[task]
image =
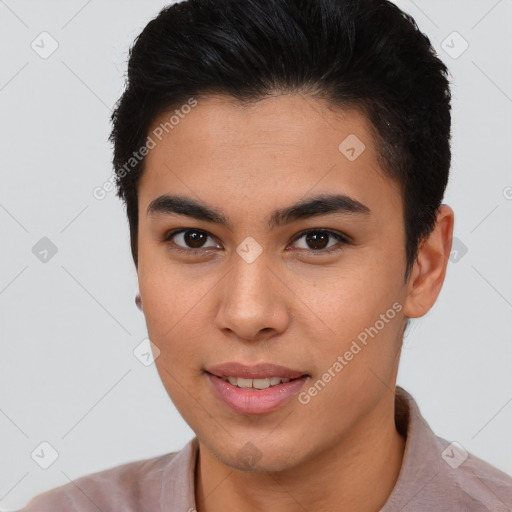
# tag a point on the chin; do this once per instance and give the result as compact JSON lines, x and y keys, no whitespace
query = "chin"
{"x":251,"y":455}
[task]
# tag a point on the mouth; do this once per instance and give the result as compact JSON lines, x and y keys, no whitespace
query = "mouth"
{"x":264,"y":383}
{"x":255,"y":389}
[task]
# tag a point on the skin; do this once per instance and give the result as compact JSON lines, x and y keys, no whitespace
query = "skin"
{"x":340,"y":451}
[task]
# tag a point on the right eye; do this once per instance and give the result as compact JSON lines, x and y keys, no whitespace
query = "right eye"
{"x":188,"y":240}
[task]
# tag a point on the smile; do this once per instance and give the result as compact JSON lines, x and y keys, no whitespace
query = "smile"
{"x":265,"y":383}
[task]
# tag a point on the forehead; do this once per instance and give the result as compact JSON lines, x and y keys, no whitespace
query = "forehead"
{"x":222,"y":122}
{"x":282,"y":144}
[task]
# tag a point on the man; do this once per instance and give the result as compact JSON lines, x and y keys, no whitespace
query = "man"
{"x":283,"y":165}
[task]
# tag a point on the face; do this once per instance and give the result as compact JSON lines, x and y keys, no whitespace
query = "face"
{"x":283,"y":244}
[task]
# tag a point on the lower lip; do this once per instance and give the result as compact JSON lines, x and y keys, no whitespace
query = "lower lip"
{"x":255,"y":401}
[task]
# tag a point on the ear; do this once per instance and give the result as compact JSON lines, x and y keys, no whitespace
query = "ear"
{"x":429,"y":270}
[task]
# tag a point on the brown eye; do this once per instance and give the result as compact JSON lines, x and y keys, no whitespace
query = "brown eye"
{"x":194,"y":239}
{"x":317,"y":240}
{"x":188,"y":240}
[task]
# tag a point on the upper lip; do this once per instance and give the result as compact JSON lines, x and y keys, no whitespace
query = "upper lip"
{"x":257,"y":371}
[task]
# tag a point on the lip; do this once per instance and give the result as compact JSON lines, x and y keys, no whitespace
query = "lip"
{"x":255,"y":401}
{"x":257,"y":371}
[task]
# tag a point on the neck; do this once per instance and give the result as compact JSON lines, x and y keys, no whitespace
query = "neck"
{"x":357,"y":473}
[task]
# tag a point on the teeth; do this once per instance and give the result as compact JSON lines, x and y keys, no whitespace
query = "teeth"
{"x":255,"y":383}
{"x":244,"y":383}
{"x":261,"y":383}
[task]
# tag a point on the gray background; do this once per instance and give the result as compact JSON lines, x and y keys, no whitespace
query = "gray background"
{"x":68,"y":375}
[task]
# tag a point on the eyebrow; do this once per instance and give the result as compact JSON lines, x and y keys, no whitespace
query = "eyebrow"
{"x":323,"y":204}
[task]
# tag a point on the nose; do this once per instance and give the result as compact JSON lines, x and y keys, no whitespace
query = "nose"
{"x":252,"y":301}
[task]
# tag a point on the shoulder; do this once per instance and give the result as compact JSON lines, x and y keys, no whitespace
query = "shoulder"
{"x":437,"y":474}
{"x":474,"y":480}
{"x":130,"y":486}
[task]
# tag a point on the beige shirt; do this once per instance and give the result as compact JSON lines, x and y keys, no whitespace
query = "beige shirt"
{"x":435,"y":476}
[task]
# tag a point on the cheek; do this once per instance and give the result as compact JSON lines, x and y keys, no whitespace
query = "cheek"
{"x":364,"y":313}
{"x":357,"y":362}
{"x":172,"y":302}
{"x":357,"y":297}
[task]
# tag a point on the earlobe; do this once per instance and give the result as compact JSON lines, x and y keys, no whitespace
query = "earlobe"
{"x":429,"y":270}
{"x":138,"y":301}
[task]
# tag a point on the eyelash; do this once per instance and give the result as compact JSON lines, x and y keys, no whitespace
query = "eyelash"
{"x":343,"y":240}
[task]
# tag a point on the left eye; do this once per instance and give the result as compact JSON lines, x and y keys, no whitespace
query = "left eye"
{"x":317,"y":240}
